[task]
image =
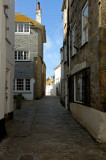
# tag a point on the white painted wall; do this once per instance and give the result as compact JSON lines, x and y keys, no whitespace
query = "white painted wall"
{"x":2,"y":59}
{"x":92,"y":119}
{"x":58,"y":77}
{"x":51,"y":90}
{"x":6,"y":56}
{"x":57,"y":74}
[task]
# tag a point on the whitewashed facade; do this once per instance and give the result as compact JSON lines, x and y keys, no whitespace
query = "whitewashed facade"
{"x":7,"y":25}
{"x":57,"y":78}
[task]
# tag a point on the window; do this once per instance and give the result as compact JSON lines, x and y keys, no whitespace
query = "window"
{"x":27,"y":85}
{"x":6,"y":11}
{"x":22,"y":56}
{"x":79,"y":87}
{"x":85,"y":24}
{"x":73,"y":40}
{"x":22,"y":28}
{"x":22,"y":84}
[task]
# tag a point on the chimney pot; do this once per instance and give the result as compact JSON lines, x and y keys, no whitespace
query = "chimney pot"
{"x":38,"y":5}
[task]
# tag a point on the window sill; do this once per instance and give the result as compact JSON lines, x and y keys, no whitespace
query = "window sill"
{"x":83,"y":45}
{"x":24,"y":92}
{"x":22,"y":33}
{"x":22,"y":60}
{"x":78,"y":102}
{"x":81,"y":103}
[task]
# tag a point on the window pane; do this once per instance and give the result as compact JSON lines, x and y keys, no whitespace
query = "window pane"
{"x":15,"y":27}
{"x":27,"y":84}
{"x":20,"y":55}
{"x":15,"y":55}
{"x":26,"y":55}
{"x":20,"y":84}
{"x":79,"y":87}
{"x":85,"y":15}
{"x":26,"y":27}
{"x":20,"y":27}
{"x":85,"y":24}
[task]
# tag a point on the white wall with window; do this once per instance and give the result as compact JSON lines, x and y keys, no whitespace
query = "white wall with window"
{"x":24,"y":86}
{"x":22,"y":55}
{"x":22,"y":28}
{"x":85,"y":24}
{"x":73,"y":40}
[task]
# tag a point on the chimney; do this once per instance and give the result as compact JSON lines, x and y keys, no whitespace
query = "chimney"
{"x":38,"y":13}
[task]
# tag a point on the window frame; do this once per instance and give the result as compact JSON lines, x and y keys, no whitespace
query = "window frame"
{"x":84,"y":27}
{"x":85,"y":87}
{"x":23,"y":56}
{"x":75,"y":88}
{"x":17,"y":25}
{"x":24,"y":85}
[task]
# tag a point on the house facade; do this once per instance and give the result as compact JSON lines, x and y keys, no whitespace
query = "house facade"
{"x":7,"y":34}
{"x":86,"y":41}
{"x":50,"y":86}
{"x":65,"y":53}
{"x":30,"y":69}
{"x":57,"y":79}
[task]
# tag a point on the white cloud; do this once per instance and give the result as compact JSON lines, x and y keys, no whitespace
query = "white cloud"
{"x":49,"y":44}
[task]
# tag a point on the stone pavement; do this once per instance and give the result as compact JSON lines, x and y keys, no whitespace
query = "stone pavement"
{"x":44,"y":130}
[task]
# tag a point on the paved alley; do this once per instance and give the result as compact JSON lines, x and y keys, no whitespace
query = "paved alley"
{"x":44,"y":130}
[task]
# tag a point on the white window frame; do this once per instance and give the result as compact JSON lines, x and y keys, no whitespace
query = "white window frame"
{"x":24,"y":85}
{"x":75,"y":92}
{"x":84,"y":26}
{"x":73,"y":40}
{"x":23,"y":56}
{"x":23,"y":27}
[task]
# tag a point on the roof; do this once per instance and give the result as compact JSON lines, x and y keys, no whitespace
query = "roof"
{"x":57,"y":67}
{"x":24,"y":69}
{"x":50,"y":81}
{"x":19,"y":17}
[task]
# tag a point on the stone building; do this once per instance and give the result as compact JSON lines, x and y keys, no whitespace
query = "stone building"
{"x":86,"y":40}
{"x":7,"y":32}
{"x":64,"y":51}
{"x":30,"y":69}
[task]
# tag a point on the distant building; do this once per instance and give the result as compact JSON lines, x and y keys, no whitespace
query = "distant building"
{"x":57,"y":79}
{"x":83,"y":84}
{"x":30,"y":69}
{"x":7,"y":33}
{"x":50,"y":86}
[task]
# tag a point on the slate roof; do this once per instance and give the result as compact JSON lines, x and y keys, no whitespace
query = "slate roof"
{"x":24,"y":69}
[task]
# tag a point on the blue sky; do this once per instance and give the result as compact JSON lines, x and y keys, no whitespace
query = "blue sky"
{"x":52,"y":19}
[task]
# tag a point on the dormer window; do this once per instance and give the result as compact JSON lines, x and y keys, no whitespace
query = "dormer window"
{"x":22,"y":28}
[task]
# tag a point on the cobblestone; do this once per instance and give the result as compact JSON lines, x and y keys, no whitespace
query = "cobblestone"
{"x":44,"y":130}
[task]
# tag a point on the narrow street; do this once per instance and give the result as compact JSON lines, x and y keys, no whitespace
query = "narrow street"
{"x":44,"y":130}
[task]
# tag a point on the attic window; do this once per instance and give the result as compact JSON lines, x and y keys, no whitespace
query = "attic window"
{"x":22,"y":28}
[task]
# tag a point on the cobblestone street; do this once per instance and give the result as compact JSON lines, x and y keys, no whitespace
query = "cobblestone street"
{"x":44,"y":130}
